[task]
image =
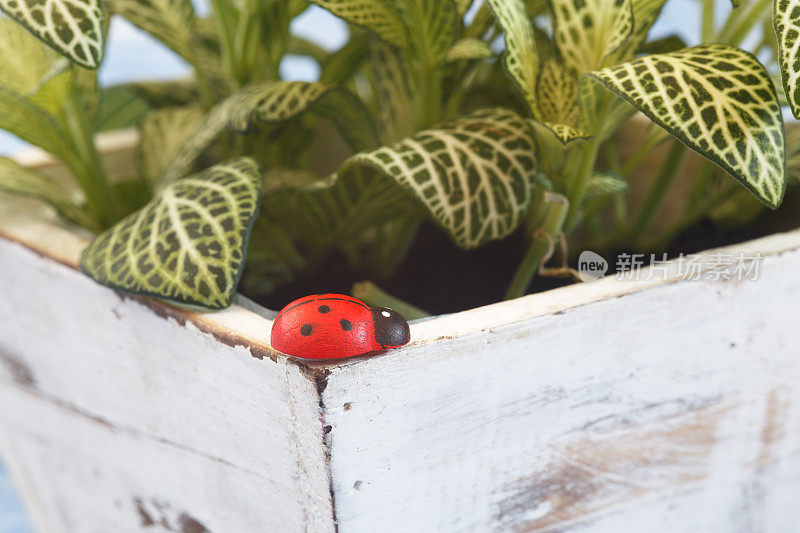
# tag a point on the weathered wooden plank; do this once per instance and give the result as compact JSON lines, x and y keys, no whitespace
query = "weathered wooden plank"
{"x":651,"y":406}
{"x":668,"y":409}
{"x":93,"y":476}
{"x":70,"y":342}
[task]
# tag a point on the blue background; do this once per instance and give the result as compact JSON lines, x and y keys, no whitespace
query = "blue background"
{"x":133,"y":55}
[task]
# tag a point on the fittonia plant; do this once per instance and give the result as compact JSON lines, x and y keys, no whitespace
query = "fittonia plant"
{"x":436,"y":123}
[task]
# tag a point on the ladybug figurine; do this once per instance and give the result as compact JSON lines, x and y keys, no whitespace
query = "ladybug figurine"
{"x":333,"y":326}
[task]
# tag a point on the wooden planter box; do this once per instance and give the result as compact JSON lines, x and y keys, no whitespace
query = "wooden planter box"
{"x":654,"y":405}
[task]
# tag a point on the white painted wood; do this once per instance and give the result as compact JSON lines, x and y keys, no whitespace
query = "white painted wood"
{"x":674,"y":408}
{"x":659,"y":405}
{"x":73,"y":350}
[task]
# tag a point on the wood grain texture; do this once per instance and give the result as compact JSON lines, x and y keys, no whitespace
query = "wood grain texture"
{"x":94,"y":381}
{"x":658,"y":405}
{"x":673,"y":408}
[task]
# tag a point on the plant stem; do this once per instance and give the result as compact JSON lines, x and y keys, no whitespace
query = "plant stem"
{"x":541,"y":245}
{"x":430,"y":83}
{"x":88,"y":170}
{"x":223,"y":17}
{"x":739,"y":27}
{"x":708,"y":25}
{"x":581,"y":183}
{"x":371,"y":294}
{"x":657,"y":193}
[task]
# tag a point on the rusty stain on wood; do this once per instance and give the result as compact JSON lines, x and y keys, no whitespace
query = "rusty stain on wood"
{"x":774,"y":425}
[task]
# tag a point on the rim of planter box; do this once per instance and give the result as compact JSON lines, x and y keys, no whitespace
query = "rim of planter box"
{"x":30,"y":224}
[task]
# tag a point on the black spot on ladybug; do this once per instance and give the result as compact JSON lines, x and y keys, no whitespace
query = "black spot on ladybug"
{"x":305,"y":331}
{"x":346,"y":324}
{"x":324,"y":309}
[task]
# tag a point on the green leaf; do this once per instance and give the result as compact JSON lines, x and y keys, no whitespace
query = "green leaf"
{"x":340,"y":66}
{"x":272,"y":258}
{"x":603,"y":184}
{"x":719,"y":101}
{"x":334,"y":212}
{"x":188,"y":244}
{"x":586,"y":32}
{"x":273,"y":102}
{"x":671,"y":43}
{"x":379,"y":16}
{"x":21,"y":117}
{"x":474,"y":176}
{"x":645,"y":13}
{"x":16,"y":179}
{"x":120,"y":107}
{"x":787,"y":31}
{"x":557,"y":94}
{"x":602,"y":113}
{"x":167,"y":93}
{"x":394,"y":96}
{"x":432,"y":27}
{"x":170,"y":21}
{"x":25,"y":64}
{"x":463,"y":6}
{"x":163,"y":131}
{"x":75,"y":28}
{"x":469,"y":48}
{"x":53,"y":92}
{"x":793,"y":154}
{"x":520,"y":58}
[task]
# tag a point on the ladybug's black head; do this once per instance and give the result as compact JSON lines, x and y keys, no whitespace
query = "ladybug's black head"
{"x":391,"y":329}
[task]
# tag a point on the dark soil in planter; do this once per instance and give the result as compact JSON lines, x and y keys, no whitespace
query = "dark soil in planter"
{"x":441,"y":278}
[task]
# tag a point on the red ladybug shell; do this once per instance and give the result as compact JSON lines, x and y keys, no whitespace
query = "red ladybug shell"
{"x":333,"y":326}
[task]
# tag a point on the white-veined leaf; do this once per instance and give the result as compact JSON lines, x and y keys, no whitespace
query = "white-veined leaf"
{"x":520,"y":57}
{"x":557,"y":94}
{"x":16,"y":179}
{"x":188,"y":244}
{"x":274,"y":102}
{"x":787,"y":31}
{"x":469,"y":48}
{"x":379,"y":16}
{"x":586,"y":32}
{"x":563,"y":133}
{"x":76,"y":28}
{"x":432,"y":27}
{"x":474,"y":175}
{"x":720,"y":102}
{"x":171,"y":22}
{"x":163,"y":131}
